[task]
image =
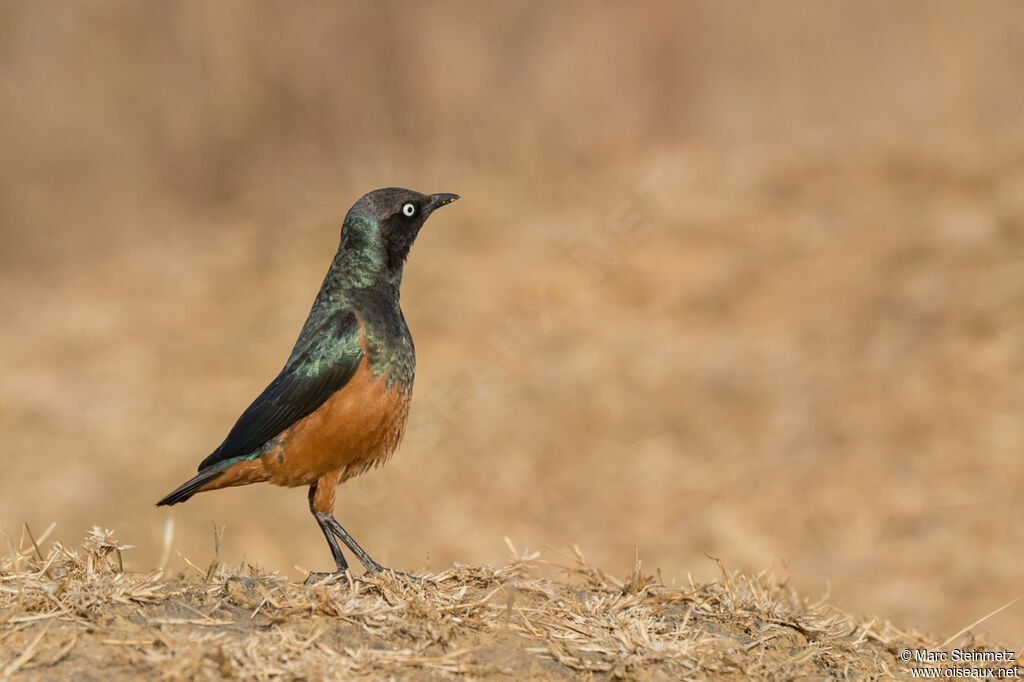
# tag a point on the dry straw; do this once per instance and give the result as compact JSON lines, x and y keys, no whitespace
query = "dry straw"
{"x":78,"y":612}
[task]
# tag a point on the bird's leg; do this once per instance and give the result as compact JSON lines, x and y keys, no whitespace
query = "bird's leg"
{"x":369,"y":564}
{"x":339,"y":558}
{"x":321,"y":504}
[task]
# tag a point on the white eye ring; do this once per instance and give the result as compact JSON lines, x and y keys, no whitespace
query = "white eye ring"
{"x":409,"y":210}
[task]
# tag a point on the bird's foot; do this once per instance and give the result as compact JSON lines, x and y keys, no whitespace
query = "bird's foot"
{"x":380,"y":570}
{"x":331,"y":578}
{"x":318,"y":577}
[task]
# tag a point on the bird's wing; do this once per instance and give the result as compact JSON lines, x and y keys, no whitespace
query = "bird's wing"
{"x":312,"y":375}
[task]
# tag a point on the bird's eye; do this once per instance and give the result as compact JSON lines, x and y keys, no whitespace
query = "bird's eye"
{"x":409,"y":210}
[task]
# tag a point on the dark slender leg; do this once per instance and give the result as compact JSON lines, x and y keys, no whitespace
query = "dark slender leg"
{"x":329,"y":521}
{"x":339,"y":558}
{"x":333,"y":531}
{"x":369,"y":564}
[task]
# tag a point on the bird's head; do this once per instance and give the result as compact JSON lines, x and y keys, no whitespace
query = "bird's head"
{"x":380,"y":228}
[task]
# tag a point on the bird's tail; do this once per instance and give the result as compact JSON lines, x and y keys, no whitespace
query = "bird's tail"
{"x":192,"y":486}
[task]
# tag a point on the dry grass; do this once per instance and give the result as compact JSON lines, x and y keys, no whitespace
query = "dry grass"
{"x":77,"y":614}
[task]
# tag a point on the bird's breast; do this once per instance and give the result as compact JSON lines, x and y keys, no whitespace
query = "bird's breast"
{"x":356,"y":428}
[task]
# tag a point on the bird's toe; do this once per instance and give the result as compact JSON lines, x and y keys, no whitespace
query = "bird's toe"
{"x":380,"y":570}
{"x":328,"y":578}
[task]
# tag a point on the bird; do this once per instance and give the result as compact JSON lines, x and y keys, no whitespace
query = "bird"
{"x":340,"y":404}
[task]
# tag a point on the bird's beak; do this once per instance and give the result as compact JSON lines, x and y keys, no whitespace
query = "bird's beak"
{"x":439,"y":200}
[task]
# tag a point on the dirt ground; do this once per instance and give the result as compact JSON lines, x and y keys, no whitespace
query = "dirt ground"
{"x":74,"y":614}
{"x":747,"y":286}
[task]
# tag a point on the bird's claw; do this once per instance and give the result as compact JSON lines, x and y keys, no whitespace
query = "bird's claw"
{"x":380,"y":570}
{"x":329,"y":578}
{"x":317,"y":577}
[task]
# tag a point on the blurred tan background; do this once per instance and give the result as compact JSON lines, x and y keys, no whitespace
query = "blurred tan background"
{"x":744,"y":282}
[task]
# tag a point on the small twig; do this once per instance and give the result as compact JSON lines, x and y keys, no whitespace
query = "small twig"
{"x":190,"y":621}
{"x":28,"y":531}
{"x":533,"y":631}
{"x":867,"y":629}
{"x":27,"y":654}
{"x":165,"y":555}
{"x":64,"y":651}
{"x":511,"y":547}
{"x":15,"y":561}
{"x":192,"y":564}
{"x":218,"y":533}
{"x":980,"y":621}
